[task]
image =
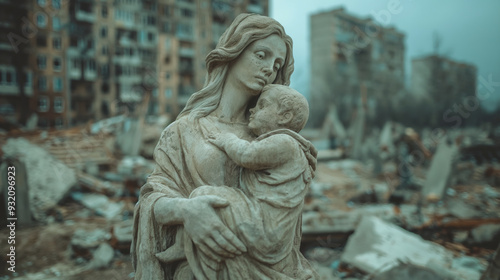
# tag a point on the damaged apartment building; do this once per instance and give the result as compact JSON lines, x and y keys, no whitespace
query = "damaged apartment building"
{"x":354,"y":62}
{"x":86,"y":60}
{"x":448,"y":86}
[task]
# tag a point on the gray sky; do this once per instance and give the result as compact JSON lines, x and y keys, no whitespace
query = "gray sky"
{"x":470,"y":32}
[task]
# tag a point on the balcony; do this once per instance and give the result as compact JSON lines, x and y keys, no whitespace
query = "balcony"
{"x":186,"y":52}
{"x":127,"y":60}
{"x":84,"y":16}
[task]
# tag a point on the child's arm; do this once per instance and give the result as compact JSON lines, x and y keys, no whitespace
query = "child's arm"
{"x":266,"y":153}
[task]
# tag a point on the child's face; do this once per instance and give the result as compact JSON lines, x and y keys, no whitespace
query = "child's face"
{"x":264,"y":116}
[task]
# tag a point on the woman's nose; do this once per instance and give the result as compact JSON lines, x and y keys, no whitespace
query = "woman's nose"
{"x":267,"y":70}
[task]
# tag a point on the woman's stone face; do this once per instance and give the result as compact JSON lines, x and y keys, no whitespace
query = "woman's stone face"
{"x":258,"y":64}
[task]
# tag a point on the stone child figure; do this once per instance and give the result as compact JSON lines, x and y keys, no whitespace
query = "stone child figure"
{"x":277,"y":169}
{"x":253,"y":52}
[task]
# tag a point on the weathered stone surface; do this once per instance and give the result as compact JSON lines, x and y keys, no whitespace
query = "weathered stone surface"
{"x":250,"y":164}
{"x":102,"y":256}
{"x":378,"y":246}
{"x":438,"y":176}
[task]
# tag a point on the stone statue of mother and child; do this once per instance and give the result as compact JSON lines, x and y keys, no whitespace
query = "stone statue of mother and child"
{"x":226,"y":196}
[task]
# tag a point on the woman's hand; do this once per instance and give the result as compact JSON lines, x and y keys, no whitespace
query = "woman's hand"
{"x":206,"y":229}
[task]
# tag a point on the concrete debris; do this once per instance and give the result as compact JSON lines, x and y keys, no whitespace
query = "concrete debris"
{"x":100,"y":204}
{"x":377,"y":246}
{"x":83,"y":239}
{"x":461,"y":209}
{"x":97,"y":185}
{"x":133,"y":166}
{"x":102,"y":256}
{"x":486,"y":235}
{"x":48,"y":179}
{"x":440,"y":171}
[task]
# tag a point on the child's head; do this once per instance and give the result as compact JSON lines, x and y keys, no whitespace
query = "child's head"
{"x":278,"y":107}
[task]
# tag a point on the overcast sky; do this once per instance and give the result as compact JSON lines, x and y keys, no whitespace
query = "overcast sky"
{"x":470,"y":31}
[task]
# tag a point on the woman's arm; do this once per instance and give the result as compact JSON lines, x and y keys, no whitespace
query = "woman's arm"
{"x":201,"y":223}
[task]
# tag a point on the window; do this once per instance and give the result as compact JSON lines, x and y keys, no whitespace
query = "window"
{"x":166,"y":27}
{"x":56,"y":43}
{"x":104,"y":50}
{"x":29,"y":77}
{"x":91,"y":65}
{"x":56,"y":23}
{"x":104,"y":70}
{"x":187,"y":13}
{"x":9,"y":77}
{"x":56,"y":4}
{"x":41,"y":20}
{"x":59,"y":123}
{"x":151,"y":37}
{"x":41,"y":41}
{"x":75,"y":64}
{"x":41,"y":61}
{"x":58,"y":104}
{"x":105,"y":88}
{"x":42,"y":83}
{"x":168,"y":93}
{"x":167,"y":75}
{"x":57,"y":64}
{"x":43,"y":104}
{"x":104,"y":32}
{"x":149,"y":20}
{"x":104,"y":11}
{"x":58,"y":84}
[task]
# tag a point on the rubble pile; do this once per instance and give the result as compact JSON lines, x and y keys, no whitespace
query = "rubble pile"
{"x":406,"y":207}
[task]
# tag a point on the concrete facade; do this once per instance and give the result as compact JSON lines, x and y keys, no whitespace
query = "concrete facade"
{"x":90,"y":59}
{"x":444,"y":84}
{"x":349,"y":56}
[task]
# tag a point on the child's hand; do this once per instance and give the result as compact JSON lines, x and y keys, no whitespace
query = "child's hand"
{"x":220,"y":139}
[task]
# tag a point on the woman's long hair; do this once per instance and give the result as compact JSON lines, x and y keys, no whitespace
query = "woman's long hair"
{"x":245,"y":29}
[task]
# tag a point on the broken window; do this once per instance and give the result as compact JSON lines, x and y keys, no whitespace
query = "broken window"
{"x":57,"y":64}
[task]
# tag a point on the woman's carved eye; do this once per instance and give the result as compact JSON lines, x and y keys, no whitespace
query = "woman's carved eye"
{"x":260,"y":55}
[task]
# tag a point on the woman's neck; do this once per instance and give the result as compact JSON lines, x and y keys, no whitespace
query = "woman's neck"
{"x":232,"y":105}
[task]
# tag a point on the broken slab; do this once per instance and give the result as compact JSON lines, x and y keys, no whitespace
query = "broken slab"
{"x":102,"y":256}
{"x":101,"y":204}
{"x":48,"y":179}
{"x":440,"y":171}
{"x":377,"y":246}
